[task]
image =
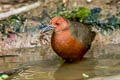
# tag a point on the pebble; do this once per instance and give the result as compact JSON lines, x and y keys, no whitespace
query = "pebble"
{"x":89,"y":1}
{"x":7,"y":6}
{"x":0,"y":9}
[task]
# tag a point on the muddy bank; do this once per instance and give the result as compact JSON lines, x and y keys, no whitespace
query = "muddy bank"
{"x":33,"y":38}
{"x":106,"y":45}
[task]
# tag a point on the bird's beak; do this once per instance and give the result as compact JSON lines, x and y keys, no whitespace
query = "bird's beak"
{"x":47,"y":28}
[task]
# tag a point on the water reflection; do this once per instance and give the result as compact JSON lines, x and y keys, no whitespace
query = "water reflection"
{"x":75,"y":71}
{"x":55,"y":70}
{"x":41,"y":70}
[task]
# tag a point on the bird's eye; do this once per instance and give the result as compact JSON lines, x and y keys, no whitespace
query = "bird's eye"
{"x":57,"y":23}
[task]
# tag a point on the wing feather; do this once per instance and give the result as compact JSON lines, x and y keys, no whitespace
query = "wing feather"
{"x":82,"y":32}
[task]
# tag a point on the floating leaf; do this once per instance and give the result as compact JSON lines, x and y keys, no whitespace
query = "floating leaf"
{"x":4,"y":76}
{"x":85,"y":75}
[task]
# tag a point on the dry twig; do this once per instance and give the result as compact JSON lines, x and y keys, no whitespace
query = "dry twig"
{"x":19,"y":10}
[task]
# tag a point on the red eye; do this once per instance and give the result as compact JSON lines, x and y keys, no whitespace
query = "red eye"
{"x":57,"y":23}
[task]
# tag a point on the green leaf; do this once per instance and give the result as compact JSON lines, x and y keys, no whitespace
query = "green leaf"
{"x":85,"y":75}
{"x":4,"y":76}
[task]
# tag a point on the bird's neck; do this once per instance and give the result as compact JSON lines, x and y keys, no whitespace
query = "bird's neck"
{"x":61,"y":31}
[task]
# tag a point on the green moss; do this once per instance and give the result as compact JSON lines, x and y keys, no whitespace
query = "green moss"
{"x":14,"y":23}
{"x":80,"y":14}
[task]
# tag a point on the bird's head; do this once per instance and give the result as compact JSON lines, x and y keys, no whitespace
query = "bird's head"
{"x":59,"y":24}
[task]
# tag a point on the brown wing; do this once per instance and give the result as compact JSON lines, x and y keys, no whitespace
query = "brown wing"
{"x":82,"y":33}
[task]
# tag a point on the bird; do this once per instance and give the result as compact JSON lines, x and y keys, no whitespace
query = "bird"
{"x":70,"y":39}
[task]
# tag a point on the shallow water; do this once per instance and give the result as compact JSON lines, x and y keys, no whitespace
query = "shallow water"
{"x":104,"y":66}
{"x":51,"y":70}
